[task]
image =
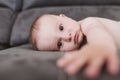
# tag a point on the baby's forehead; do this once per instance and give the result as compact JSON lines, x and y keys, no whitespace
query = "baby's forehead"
{"x":45,"y":34}
{"x":46,"y":17}
{"x":45,"y":39}
{"x":40,"y":20}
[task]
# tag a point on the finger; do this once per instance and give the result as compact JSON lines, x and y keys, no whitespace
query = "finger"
{"x":66,"y":59}
{"x":94,"y":67}
{"x":76,"y":65}
{"x":113,"y":64}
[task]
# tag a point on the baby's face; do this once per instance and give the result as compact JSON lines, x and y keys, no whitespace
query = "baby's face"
{"x":58,"y":33}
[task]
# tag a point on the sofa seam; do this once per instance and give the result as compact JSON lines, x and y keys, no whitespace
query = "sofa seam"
{"x":18,"y":5}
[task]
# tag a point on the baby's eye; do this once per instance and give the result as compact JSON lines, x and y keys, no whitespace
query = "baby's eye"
{"x":61,"y":28}
{"x":59,"y":44}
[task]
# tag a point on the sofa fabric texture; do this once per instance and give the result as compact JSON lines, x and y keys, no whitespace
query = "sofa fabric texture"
{"x":6,"y":16}
{"x":24,"y":63}
{"x":45,"y":3}
{"x":18,"y":61}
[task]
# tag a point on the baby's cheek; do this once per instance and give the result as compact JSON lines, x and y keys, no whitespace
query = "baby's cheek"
{"x":69,"y":47}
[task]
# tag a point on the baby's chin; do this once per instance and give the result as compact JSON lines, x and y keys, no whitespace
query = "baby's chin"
{"x":82,"y":42}
{"x":71,"y":49}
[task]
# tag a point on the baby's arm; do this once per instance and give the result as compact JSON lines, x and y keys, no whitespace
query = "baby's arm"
{"x":97,"y":34}
{"x":100,"y":49}
{"x":99,"y":38}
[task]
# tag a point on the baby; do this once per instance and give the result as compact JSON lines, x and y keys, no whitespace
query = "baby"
{"x":61,"y":33}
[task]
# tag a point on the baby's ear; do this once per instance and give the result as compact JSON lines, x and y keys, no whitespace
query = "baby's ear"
{"x":62,"y":15}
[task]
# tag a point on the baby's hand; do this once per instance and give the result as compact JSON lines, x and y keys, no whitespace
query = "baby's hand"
{"x":93,"y":57}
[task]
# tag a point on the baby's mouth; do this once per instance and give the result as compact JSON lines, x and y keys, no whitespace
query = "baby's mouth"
{"x":76,"y":38}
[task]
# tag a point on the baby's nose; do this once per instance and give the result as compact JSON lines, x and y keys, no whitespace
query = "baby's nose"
{"x":68,"y":38}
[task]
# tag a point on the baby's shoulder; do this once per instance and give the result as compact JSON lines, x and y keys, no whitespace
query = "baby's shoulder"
{"x":96,"y":19}
{"x":89,"y":23}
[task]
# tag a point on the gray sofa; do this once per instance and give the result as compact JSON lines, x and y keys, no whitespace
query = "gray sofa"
{"x":18,"y":61}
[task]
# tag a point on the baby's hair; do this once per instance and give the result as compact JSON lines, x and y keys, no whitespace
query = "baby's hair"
{"x":32,"y":31}
{"x":31,"y":40}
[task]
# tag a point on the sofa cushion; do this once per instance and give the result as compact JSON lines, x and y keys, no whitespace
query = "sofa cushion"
{"x":6,"y":17}
{"x":28,"y":4}
{"x":24,"y":63}
{"x":20,"y":31}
